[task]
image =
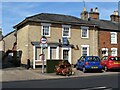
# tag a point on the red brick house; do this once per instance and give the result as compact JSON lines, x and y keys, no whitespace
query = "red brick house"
{"x":108,"y":33}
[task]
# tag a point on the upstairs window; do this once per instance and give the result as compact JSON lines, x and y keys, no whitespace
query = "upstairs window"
{"x":66,"y":30}
{"x":45,"y":29}
{"x":84,"y":32}
{"x":113,"y":38}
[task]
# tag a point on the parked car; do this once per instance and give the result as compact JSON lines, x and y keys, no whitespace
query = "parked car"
{"x":110,"y":62}
{"x":89,"y":63}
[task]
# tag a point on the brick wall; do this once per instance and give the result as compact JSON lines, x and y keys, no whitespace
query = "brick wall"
{"x":105,"y":41}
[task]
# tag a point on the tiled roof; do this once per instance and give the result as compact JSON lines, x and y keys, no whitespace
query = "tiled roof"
{"x":105,"y":24}
{"x":60,"y":18}
{"x":54,"y":18}
{"x":47,"y":17}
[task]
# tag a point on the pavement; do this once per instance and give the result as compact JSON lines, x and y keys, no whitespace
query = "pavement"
{"x":21,"y":73}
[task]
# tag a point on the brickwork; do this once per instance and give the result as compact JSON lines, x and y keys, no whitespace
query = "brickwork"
{"x":105,"y":41}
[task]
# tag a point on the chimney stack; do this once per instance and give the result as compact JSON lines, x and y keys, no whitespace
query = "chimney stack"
{"x":84,"y":14}
{"x":115,"y":16}
{"x":94,"y":14}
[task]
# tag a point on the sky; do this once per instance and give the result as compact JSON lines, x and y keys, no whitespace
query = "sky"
{"x":12,"y":13}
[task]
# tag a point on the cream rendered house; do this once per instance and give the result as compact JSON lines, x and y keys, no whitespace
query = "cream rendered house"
{"x":68,"y":37}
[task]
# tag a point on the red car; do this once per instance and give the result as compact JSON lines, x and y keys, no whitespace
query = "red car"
{"x":110,"y":62}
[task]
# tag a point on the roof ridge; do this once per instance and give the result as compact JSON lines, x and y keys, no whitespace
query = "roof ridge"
{"x":53,"y":14}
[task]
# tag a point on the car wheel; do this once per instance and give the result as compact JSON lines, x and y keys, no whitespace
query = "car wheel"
{"x":106,"y":69}
{"x":84,"y":69}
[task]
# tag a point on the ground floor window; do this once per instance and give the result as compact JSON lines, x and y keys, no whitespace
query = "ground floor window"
{"x":53,"y":52}
{"x":85,"y":50}
{"x":104,"y":51}
{"x":38,"y":51}
{"x":113,"y":51}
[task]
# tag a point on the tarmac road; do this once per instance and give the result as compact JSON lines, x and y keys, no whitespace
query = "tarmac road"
{"x":21,"y":78}
{"x":106,"y":81}
{"x":20,"y":73}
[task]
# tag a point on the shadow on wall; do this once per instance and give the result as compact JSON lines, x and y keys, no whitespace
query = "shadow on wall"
{"x":11,"y":59}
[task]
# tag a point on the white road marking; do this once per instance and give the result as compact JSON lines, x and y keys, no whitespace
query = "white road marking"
{"x":96,"y":88}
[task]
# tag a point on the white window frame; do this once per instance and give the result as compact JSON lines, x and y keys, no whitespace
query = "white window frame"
{"x":57,"y":52}
{"x":45,"y":24}
{"x":115,"y":52}
{"x":66,"y":26}
{"x":34,"y":56}
{"x":82,"y":31}
{"x":115,"y":42}
{"x":106,"y":51}
{"x":87,"y":46}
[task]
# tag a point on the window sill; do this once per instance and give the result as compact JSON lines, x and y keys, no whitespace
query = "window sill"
{"x":85,"y":37}
{"x":114,"y":43}
{"x":46,"y":36}
{"x":66,"y":37}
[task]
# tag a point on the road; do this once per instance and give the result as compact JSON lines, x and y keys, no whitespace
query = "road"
{"x":109,"y":81}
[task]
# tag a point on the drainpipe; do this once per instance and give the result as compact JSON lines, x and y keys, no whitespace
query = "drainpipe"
{"x":94,"y":40}
{"x":99,"y":49}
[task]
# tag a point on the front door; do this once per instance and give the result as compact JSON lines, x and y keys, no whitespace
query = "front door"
{"x":66,"y":54}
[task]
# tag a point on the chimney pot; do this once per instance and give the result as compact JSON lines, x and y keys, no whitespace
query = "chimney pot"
{"x":94,"y":14}
{"x":115,"y":13}
{"x":91,"y":10}
{"x":115,"y":17}
{"x":96,"y":9}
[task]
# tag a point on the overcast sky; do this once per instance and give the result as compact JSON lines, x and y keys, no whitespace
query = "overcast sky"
{"x":14,"y":12}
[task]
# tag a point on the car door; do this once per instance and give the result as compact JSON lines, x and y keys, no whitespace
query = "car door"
{"x":104,"y":60}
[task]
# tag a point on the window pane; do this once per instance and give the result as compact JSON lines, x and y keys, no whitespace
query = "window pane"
{"x":37,"y":53}
{"x":53,"y":52}
{"x":113,"y":52}
{"x":96,"y":59}
{"x":84,"y":51}
{"x":65,"y":31}
{"x":113,"y":38}
{"x":45,"y":30}
{"x":84,"y":32}
{"x":104,"y":52}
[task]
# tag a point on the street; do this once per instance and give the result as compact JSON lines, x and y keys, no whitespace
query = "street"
{"x":107,"y":81}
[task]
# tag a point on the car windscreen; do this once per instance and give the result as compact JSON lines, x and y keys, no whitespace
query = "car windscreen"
{"x":115,"y":58}
{"x":93,"y":59}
